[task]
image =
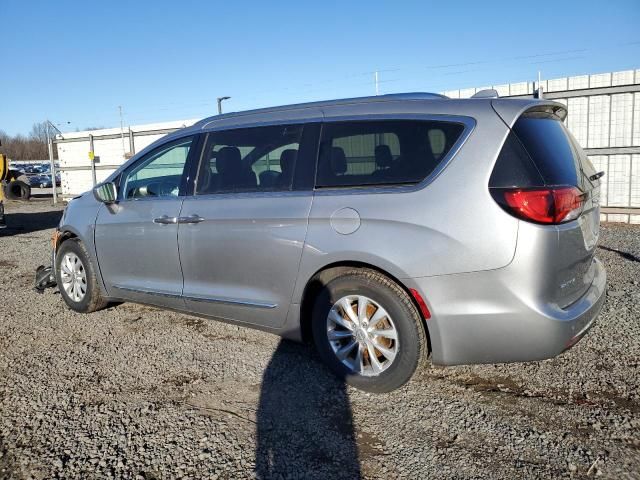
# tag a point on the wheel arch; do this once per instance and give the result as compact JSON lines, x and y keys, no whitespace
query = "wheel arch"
{"x":68,"y":232}
{"x":330,"y":271}
{"x":65,"y":235}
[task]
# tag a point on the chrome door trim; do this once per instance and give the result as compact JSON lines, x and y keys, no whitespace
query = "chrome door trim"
{"x":148,"y":292}
{"x":200,"y":298}
{"x":231,"y":301}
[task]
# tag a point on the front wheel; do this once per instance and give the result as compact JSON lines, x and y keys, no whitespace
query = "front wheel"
{"x":77,"y":279}
{"x":368,"y":331}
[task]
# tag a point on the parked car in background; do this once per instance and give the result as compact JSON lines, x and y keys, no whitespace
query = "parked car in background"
{"x":383,"y":229}
{"x":43,"y":180}
{"x":32,"y":169}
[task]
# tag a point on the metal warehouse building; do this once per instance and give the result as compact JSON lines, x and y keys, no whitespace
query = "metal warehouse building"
{"x":604,"y":116}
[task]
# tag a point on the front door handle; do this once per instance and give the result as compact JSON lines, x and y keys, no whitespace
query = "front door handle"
{"x":191,"y":219}
{"x":165,"y":220}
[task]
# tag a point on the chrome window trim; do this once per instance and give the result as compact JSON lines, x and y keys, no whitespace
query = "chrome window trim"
{"x":211,"y":127}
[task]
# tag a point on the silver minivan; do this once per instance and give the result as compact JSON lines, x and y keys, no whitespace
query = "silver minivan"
{"x":386,"y":230}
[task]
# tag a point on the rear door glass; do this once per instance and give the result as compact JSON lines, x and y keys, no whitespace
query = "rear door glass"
{"x":249,"y":159}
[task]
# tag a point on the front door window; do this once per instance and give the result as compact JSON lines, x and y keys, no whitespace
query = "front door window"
{"x":160,"y":173}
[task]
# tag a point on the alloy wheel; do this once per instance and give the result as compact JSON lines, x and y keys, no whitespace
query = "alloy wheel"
{"x":74,"y":277}
{"x":362,"y":335}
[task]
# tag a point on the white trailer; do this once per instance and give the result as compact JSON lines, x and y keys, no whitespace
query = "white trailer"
{"x":111,"y":147}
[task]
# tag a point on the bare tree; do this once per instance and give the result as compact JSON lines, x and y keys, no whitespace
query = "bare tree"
{"x":39,"y":132}
{"x":32,"y":147}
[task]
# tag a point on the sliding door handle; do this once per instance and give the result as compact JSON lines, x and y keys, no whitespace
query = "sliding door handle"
{"x":191,"y":219}
{"x":165,"y":220}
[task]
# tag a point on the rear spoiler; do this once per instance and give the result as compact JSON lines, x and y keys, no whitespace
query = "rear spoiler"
{"x":509,"y":110}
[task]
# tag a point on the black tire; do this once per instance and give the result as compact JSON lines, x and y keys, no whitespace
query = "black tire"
{"x":17,"y":190}
{"x":412,"y":347}
{"x":92,"y":299}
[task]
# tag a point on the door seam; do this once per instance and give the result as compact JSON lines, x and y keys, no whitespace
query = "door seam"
{"x":178,"y":248}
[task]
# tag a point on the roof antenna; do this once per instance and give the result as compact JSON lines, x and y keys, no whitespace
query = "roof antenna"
{"x":538,"y":93}
{"x":486,"y":93}
{"x":375,"y":78}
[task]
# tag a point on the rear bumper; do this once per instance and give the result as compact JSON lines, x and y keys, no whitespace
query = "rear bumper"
{"x":484,"y":317}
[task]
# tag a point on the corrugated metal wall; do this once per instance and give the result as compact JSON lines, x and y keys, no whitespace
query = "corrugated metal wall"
{"x":604,"y":116}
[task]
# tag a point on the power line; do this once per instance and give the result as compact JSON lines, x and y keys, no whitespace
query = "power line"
{"x":338,"y":82}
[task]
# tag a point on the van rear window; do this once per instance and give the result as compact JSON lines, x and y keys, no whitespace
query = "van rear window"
{"x":385,"y":152}
{"x":540,"y":151}
{"x":548,"y":145}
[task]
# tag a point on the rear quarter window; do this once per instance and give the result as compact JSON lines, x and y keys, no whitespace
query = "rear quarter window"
{"x":354,"y":154}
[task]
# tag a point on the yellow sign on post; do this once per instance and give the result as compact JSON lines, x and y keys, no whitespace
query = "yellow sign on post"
{"x":92,"y":155}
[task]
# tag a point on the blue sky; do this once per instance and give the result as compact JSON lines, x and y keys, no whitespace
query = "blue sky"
{"x":75,"y":61}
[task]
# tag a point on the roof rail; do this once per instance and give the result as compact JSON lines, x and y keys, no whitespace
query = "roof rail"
{"x":326,"y":103}
{"x":486,"y":93}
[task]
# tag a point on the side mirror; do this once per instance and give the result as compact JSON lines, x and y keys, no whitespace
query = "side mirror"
{"x":105,"y":192}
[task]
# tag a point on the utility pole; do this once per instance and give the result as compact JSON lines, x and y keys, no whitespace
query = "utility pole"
{"x":539,"y":91}
{"x":375,"y":79}
{"x":51,"y":162}
{"x":122,"y":131}
{"x":49,"y":125}
{"x":220,"y":100}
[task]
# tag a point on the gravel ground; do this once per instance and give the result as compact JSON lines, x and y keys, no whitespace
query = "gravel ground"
{"x":136,"y":392}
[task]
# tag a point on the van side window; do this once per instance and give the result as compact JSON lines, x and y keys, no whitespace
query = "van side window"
{"x":249,"y":160}
{"x":159,"y":173}
{"x":383,"y":152}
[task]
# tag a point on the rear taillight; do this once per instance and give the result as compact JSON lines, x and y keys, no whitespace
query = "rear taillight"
{"x":542,"y":205}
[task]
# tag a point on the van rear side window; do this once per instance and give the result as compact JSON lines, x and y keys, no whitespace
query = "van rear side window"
{"x":355,"y":154}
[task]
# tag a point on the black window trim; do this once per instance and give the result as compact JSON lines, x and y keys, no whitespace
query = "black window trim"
{"x":468,"y":124}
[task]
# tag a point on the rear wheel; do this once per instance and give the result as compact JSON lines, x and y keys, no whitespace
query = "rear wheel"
{"x":76,"y":278}
{"x":368,"y":331}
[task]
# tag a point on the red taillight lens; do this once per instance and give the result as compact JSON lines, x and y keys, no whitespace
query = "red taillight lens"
{"x":545,"y":205}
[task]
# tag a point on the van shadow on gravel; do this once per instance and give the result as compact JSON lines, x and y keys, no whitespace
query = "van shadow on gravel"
{"x":21,"y":223}
{"x":623,"y":254}
{"x":304,"y":420}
